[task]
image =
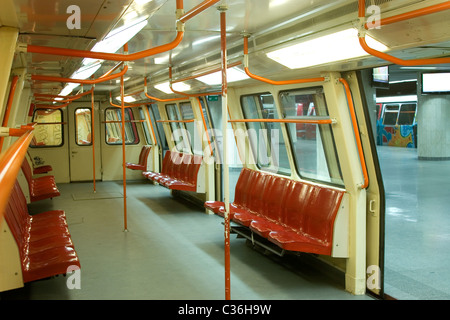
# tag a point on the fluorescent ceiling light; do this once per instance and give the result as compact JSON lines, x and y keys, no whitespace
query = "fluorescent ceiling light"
{"x":233,"y":74}
{"x":126,"y":99}
{"x":68,"y":89}
{"x":179,"y":86}
{"x":342,"y":45}
{"x":117,"y":38}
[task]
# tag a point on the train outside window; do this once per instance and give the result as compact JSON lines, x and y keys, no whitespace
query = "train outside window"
{"x":83,"y":126}
{"x":313,"y":145}
{"x":113,"y":127}
{"x":49,"y":129}
{"x":266,"y":138}
{"x":179,"y":136}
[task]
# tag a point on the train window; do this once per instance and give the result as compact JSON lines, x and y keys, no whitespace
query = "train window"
{"x":313,"y":145}
{"x":407,"y":114}
{"x":179,"y":136}
{"x":188,"y":114}
{"x":49,"y":131}
{"x":266,"y":138}
{"x":113,"y":127}
{"x":83,"y":126}
{"x":158,"y":126}
{"x":391,"y":114}
{"x":145,"y":127}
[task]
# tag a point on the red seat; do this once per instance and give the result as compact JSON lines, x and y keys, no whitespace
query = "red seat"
{"x":179,"y":171}
{"x":45,"y":245}
{"x":142,"y":162}
{"x":40,"y":188}
{"x":295,"y":215}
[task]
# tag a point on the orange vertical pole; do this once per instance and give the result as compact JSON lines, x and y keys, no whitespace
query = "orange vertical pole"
{"x":226,"y":182}
{"x":124,"y":174}
{"x":12,"y":91}
{"x":93,"y":136}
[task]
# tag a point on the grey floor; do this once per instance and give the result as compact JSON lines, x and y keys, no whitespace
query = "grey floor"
{"x":417,"y":225}
{"x":172,"y":251}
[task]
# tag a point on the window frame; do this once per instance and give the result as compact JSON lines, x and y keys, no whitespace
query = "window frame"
{"x":76,"y":126}
{"x":327,"y":140}
{"x":127,"y":111}
{"x":43,"y":124}
{"x":268,"y":128}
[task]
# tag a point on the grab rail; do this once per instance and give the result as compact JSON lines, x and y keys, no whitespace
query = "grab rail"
{"x":397,"y":18}
{"x":10,"y":164}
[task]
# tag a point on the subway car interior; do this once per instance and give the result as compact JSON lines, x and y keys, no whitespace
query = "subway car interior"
{"x":224,"y":149}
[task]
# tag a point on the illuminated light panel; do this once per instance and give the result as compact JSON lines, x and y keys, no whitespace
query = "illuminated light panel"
{"x":342,"y":45}
{"x":179,"y":86}
{"x":233,"y":74}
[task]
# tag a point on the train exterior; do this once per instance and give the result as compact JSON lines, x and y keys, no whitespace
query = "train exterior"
{"x":263,"y":113}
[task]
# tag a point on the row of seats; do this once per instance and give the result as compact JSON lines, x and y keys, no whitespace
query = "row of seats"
{"x":179,"y":171}
{"x":142,"y":163}
{"x":44,"y":242}
{"x":40,"y":188}
{"x":295,"y":215}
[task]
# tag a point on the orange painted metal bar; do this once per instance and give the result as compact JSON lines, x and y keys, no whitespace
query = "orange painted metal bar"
{"x":81,"y":81}
{"x":197,"y":10}
{"x":191,"y":95}
{"x":111,"y":56}
{"x":107,"y":56}
{"x":120,"y":121}
{"x":158,"y":99}
{"x":117,"y":66}
{"x":124,"y":173}
{"x":231,"y":65}
{"x":93,"y":138}
{"x":226,"y":176}
{"x":408,"y":15}
{"x":41,"y":123}
{"x":402,"y":17}
{"x":41,"y":97}
{"x":12,"y":92}
{"x":49,"y":106}
{"x":322,"y":121}
{"x":273,"y":82}
{"x":10,"y":164}
{"x":178,"y":121}
{"x":356,"y":131}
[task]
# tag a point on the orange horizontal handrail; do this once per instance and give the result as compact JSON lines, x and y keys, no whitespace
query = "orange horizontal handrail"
{"x":402,"y":17}
{"x":308,"y":121}
{"x":10,"y":164}
{"x":49,"y":106}
{"x":81,"y":81}
{"x":409,"y":15}
{"x":132,"y":56}
{"x":356,"y":132}
{"x":179,"y":121}
{"x":42,"y":97}
{"x":158,"y":99}
{"x":44,"y":123}
{"x":231,"y":65}
{"x":192,"y":95}
{"x":104,"y":55}
{"x":120,"y":121}
{"x":273,"y":82}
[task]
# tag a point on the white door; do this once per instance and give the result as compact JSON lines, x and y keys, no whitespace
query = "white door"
{"x":81,"y":149}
